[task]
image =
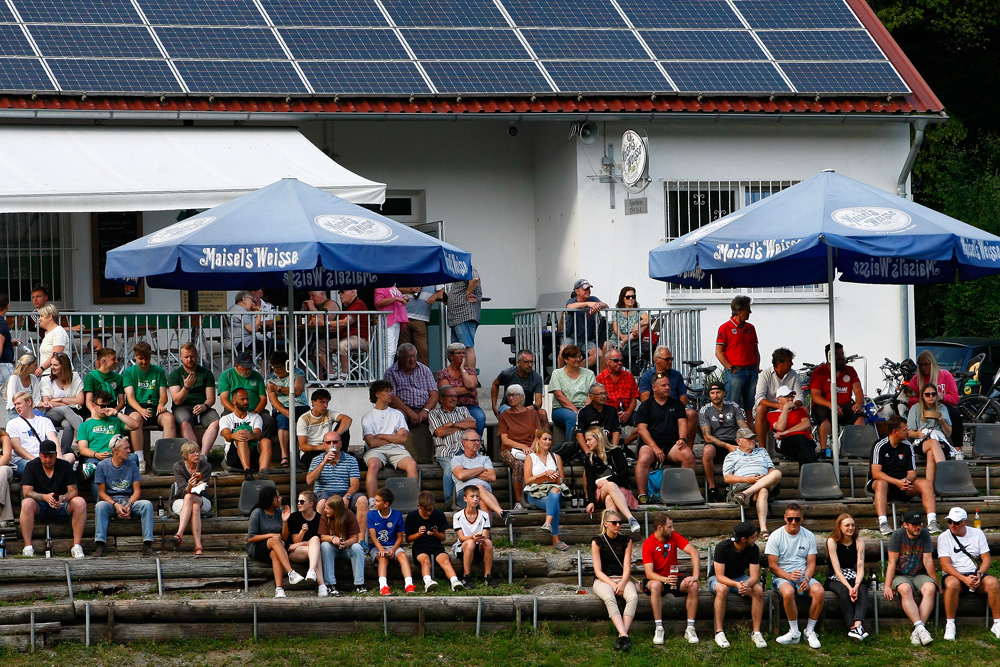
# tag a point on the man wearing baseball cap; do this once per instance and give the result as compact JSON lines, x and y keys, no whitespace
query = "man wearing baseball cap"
{"x":736,"y":569}
{"x":911,"y":568}
{"x":48,"y":490}
{"x":244,"y":375}
{"x":718,"y":421}
{"x":792,"y":428}
{"x":581,"y":324}
{"x":751,"y":475}
{"x":965,"y":560}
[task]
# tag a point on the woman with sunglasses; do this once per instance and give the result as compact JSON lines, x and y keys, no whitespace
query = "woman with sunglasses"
{"x":929,"y":371}
{"x":610,"y":551}
{"x":264,"y":543}
{"x":845,"y":561}
{"x":606,"y":476}
{"x":300,"y":532}
{"x":630,"y":325}
{"x":929,"y":426}
{"x":543,"y":483}
{"x":570,"y":387}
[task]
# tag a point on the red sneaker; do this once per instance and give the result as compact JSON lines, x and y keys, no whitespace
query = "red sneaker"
{"x":411,"y":589}
{"x":385,"y":590}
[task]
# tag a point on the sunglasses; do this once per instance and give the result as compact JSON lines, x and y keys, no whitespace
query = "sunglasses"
{"x":300,"y":501}
{"x":955,"y":523}
{"x":331,"y":442}
{"x":614,"y":361}
{"x":614,"y":523}
{"x":629,"y":296}
{"x":931,"y":395}
{"x":793,"y":519}
{"x":665,"y":358}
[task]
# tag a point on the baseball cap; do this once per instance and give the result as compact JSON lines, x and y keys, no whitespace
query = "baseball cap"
{"x":746,"y":434}
{"x":47,"y":447}
{"x":785,"y":391}
{"x":914,"y":518}
{"x":957,"y":514}
{"x":582,"y":282}
{"x":245,"y":360}
{"x":743,"y":530}
{"x":717,"y":385}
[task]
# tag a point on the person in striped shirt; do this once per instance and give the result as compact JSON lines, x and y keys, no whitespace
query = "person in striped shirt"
{"x":751,"y":475}
{"x":337,"y":473}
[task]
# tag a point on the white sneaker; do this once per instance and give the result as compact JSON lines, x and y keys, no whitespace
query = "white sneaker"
{"x":720,"y":639}
{"x":311,"y":575}
{"x":658,"y":636}
{"x":279,"y":592}
{"x":813,"y":640}
{"x":634,"y":525}
{"x":430,"y":586}
{"x":76,"y":551}
{"x":518,"y":508}
{"x":322,"y":591}
{"x":925,"y":635}
{"x":996,"y":629}
{"x":790,"y":637}
{"x":295,"y":578}
{"x":915,"y":637}
{"x":883,"y":527}
{"x":28,"y":551}
{"x":142,"y":466}
{"x":691,"y":635}
{"x":457,"y":585}
{"x":949,"y":632}
{"x":758,"y":640}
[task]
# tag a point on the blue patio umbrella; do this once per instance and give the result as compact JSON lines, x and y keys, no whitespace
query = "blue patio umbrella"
{"x":293,"y":235}
{"x":823,"y":226}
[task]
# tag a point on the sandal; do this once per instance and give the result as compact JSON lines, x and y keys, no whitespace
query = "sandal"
{"x":199,"y":551}
{"x":284,"y":463}
{"x":562,"y":546}
{"x":176,"y":540}
{"x":764,"y":535}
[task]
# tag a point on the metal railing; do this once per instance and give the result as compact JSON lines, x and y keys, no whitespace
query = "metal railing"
{"x":220,"y":337}
{"x":636,"y":332}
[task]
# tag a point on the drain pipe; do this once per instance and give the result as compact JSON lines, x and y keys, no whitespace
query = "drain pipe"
{"x":919,"y":128}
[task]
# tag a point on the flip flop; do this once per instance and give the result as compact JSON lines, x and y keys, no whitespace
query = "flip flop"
{"x":562,"y":546}
{"x":764,"y":535}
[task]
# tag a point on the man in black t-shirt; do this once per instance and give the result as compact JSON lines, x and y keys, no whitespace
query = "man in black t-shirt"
{"x":598,"y":413}
{"x":893,"y":476}
{"x":662,"y":427}
{"x":737,"y":570}
{"x":425,"y":529}
{"x":48,"y":490}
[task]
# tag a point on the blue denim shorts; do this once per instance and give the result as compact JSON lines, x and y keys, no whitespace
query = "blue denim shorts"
{"x":465,"y":333}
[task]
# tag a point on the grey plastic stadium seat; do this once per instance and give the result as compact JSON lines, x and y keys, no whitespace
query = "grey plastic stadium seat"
{"x":405,"y":491}
{"x":987,"y":442}
{"x":250,"y":492}
{"x":166,"y":452}
{"x":680,"y":487}
{"x":857,"y":441}
{"x":818,"y":481}
{"x":954,"y":479}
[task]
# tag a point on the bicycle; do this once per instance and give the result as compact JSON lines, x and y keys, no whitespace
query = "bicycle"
{"x":982,"y":408}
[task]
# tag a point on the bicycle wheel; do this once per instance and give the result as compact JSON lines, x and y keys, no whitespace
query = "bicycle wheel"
{"x":979,"y":410}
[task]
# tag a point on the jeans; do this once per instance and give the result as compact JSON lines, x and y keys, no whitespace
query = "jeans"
{"x":447,"y":481}
{"x":480,"y":417}
{"x":330,"y":553}
{"x":70,"y":420}
{"x":566,"y":418}
{"x":741,"y":387}
{"x":93,"y":483}
{"x":105,"y":510}
{"x":19,"y":466}
{"x":465,"y":333}
{"x":850,"y":611}
{"x":551,"y":506}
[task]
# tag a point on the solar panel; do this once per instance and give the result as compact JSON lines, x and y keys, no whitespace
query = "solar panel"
{"x":90,"y":41}
{"x":842,"y":77}
{"x":240,"y":43}
{"x":6,"y":15}
{"x":465,"y":44}
{"x":114,"y":76}
{"x":486,"y":77}
{"x":343,"y":44}
{"x":240,"y":77}
{"x":607,"y":77}
{"x":77,"y":11}
{"x":762,"y":14}
{"x":13,"y":42}
{"x":443,"y":13}
{"x":821,"y":45}
{"x":726,"y":77}
{"x":684,"y":14}
{"x":703,"y":45}
{"x":585,"y":44}
{"x":202,"y":12}
{"x":328,"y":13}
{"x":332,"y":78}
{"x":23,"y":74}
{"x":564,"y":13}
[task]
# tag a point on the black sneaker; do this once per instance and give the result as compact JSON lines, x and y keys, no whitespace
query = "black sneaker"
{"x":147,"y":549}
{"x":627,"y":644}
{"x":713,"y":495}
{"x":360,"y":589}
{"x":505,"y":516}
{"x":100,"y":550}
{"x":264,"y":474}
{"x":490,"y":581}
{"x":333,"y":590}
{"x":468,"y":581}
{"x":247,"y":474}
{"x":620,"y":643}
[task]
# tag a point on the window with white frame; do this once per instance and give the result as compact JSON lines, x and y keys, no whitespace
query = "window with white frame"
{"x":32,"y":254}
{"x":692,"y":204}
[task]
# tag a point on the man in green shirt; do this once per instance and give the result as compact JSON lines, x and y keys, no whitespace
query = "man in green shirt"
{"x":95,"y":435}
{"x":104,"y":378}
{"x":146,"y":398}
{"x":192,"y":389}
{"x":244,"y":376}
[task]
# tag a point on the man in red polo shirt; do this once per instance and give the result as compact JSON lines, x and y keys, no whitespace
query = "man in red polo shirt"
{"x":792,"y":428}
{"x":737,"y":351}
{"x":848,"y":387}
{"x":623,"y":392}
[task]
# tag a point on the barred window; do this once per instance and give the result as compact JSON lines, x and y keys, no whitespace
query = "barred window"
{"x":33,"y":253}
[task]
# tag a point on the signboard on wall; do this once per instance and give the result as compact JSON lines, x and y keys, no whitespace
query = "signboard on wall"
{"x":208,"y":300}
{"x":107,"y":232}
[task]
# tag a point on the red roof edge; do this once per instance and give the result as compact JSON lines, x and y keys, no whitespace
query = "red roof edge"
{"x":923,"y":96}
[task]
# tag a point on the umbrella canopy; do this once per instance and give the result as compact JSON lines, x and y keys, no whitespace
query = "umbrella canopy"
{"x":876,"y":237}
{"x":324,"y":241}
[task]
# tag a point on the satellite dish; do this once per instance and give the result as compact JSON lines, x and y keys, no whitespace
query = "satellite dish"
{"x":588,"y":133}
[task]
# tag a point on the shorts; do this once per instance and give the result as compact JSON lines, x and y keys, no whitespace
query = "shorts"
{"x":282,"y":421}
{"x":894,"y":494}
{"x":183,"y":414}
{"x":916,"y":581}
{"x":433,"y":553}
{"x":712,"y":581}
{"x":373,"y":554}
{"x":673,"y":590}
{"x":258,"y":551}
{"x":721,"y":452}
{"x":465,"y":333}
{"x":45,"y":511}
{"x":821,"y":413}
{"x":233,"y":456}
{"x":478,"y":555}
{"x":206,"y":506}
{"x":129,"y":410}
{"x":777,"y":581}
{"x":387,"y":454}
{"x":963,"y":588}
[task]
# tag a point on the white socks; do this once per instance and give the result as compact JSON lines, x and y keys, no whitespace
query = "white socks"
{"x":427,"y":579}
{"x":811,"y":625}
{"x":455,"y":580}
{"x":408,"y":581}
{"x":793,"y":626}
{"x":931,"y":517}
{"x":383,"y":582}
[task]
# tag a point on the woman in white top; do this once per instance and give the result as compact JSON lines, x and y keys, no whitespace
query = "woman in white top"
{"x":543,"y":479}
{"x":23,"y":379}
{"x":62,"y":395}
{"x":56,"y":338}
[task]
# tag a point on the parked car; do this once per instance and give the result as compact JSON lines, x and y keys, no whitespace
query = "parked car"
{"x":956,"y":353}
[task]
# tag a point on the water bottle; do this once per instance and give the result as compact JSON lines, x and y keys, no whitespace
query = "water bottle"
{"x":977,"y":522}
{"x":874,"y":583}
{"x":3,"y":546}
{"x":48,"y":543}
{"x":828,"y":451}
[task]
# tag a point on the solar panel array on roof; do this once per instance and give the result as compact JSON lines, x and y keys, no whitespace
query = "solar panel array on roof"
{"x":446,"y":47}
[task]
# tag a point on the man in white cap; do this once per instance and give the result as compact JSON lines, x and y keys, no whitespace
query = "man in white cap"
{"x":792,"y":428}
{"x":965,"y":560}
{"x":751,"y":475}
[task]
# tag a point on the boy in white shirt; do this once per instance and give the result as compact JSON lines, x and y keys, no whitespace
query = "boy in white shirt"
{"x":474,"y":543}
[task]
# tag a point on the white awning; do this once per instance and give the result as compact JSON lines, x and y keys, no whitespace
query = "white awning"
{"x":65,"y":169}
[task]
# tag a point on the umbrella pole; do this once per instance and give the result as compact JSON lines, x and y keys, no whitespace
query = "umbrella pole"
{"x":834,"y":425}
{"x":290,"y":340}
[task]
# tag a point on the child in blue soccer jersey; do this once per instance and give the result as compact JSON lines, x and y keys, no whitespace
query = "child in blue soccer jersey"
{"x":386,"y":533}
